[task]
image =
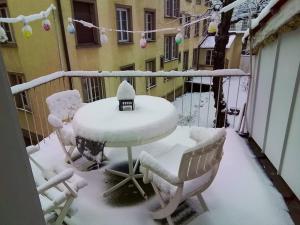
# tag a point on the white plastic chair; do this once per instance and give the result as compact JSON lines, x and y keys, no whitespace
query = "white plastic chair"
{"x":62,"y":107}
{"x":57,"y":190}
{"x":183,"y":172}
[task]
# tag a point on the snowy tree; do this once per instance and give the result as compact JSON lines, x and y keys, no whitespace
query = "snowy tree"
{"x":240,"y":12}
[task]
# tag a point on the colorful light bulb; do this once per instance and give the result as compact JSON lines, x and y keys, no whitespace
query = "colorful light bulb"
{"x":27,"y":31}
{"x":143,"y":41}
{"x":46,"y":24}
{"x":103,"y":37}
{"x":212,"y":27}
{"x":71,"y":28}
{"x":3,"y":36}
{"x":179,"y":38}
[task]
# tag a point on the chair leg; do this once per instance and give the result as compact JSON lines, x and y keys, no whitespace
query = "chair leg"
{"x":202,"y":202}
{"x":64,"y":211}
{"x":162,"y":203}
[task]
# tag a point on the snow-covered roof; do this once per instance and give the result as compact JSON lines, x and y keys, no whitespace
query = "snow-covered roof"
{"x":209,"y":42}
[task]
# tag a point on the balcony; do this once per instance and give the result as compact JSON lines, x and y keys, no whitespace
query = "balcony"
{"x":241,"y":192}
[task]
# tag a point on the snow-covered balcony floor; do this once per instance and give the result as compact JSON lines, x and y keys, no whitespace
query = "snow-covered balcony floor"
{"x":241,"y":194}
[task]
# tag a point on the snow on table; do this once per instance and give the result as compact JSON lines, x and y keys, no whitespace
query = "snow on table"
{"x":152,"y":119}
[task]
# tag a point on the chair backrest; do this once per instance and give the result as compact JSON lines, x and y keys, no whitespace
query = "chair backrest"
{"x":203,"y":157}
{"x":64,"y":104}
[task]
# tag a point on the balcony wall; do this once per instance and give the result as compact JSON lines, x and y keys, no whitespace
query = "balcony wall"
{"x":277,"y":105}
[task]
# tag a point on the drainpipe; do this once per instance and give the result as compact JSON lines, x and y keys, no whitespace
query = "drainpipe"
{"x":64,"y":40}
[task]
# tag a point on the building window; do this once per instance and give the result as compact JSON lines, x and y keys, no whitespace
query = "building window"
{"x":7,"y":27}
{"x":87,"y":11}
{"x":172,"y":8}
{"x":171,"y":49}
{"x":197,"y":28}
{"x":187,"y":29}
{"x":161,"y":62}
{"x":209,"y":59}
{"x":130,"y":80}
{"x":195,"y":57}
{"x":21,"y":99}
{"x":244,"y":25}
{"x":150,"y":24}
{"x":207,"y":3}
{"x":205,"y":27}
{"x":124,"y":23}
{"x":94,"y":89}
{"x":150,"y":66}
{"x":185,"y":65}
{"x":198,"y":2}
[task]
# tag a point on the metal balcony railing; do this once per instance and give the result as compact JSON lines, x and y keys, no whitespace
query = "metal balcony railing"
{"x":189,"y":91}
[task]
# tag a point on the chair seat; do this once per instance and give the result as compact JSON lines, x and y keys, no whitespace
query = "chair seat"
{"x":67,"y":134}
{"x":174,"y":155}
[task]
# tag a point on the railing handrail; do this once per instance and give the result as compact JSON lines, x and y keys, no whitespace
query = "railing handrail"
{"x":128,"y":73}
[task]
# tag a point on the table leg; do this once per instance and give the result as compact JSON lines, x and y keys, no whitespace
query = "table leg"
{"x":130,"y":176}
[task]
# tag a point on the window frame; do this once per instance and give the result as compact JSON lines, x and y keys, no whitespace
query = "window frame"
{"x":150,"y":85}
{"x":211,"y":57}
{"x":128,"y":9}
{"x":94,"y":20}
{"x":197,"y":28}
{"x":195,"y":58}
{"x":22,"y":95}
{"x":3,"y":5}
{"x":185,"y":60}
{"x":187,"y":30}
{"x":174,"y":8}
{"x":173,"y":48}
{"x":131,"y":80}
{"x":153,"y":13}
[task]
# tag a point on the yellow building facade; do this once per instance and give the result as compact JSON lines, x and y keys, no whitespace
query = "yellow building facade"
{"x":46,"y":52}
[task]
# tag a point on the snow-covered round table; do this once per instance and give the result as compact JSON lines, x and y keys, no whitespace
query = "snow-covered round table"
{"x":153,"y":118}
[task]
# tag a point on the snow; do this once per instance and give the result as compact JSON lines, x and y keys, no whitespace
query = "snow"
{"x":197,"y":109}
{"x":64,"y":104}
{"x":232,"y":5}
{"x":30,"y":18}
{"x":129,"y":73}
{"x":255,"y":22}
{"x":125,"y":91}
{"x":209,"y":42}
{"x":152,"y":118}
{"x":54,"y":121}
{"x":201,"y":134}
{"x":240,"y":194}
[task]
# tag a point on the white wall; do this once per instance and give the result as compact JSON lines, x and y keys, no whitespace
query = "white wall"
{"x":272,"y":132}
{"x":264,"y":81}
{"x":285,"y":77}
{"x":291,"y":162}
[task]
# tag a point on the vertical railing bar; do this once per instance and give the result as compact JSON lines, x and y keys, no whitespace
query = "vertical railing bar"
{"x":45,"y":114}
{"x":200,"y":95}
{"x":174,"y":94}
{"x":208,"y":106}
{"x":33,"y":116}
{"x":147,"y":79}
{"x":182,"y":103}
{"x":191,"y":101}
{"x":237,"y":97}
{"x":94,"y":87}
{"x":99,"y":87}
{"x":218,"y":100}
{"x":26,"y":117}
{"x":228,"y":92}
{"x":38,"y":110}
{"x":64,"y":83}
{"x":102,"y":87}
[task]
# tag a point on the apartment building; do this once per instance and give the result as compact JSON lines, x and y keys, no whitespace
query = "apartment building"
{"x":48,"y":51}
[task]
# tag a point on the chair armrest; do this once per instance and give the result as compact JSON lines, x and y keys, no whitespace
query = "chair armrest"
{"x":150,"y":163}
{"x":32,"y":149}
{"x":59,"y":178}
{"x":55,"y":121}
